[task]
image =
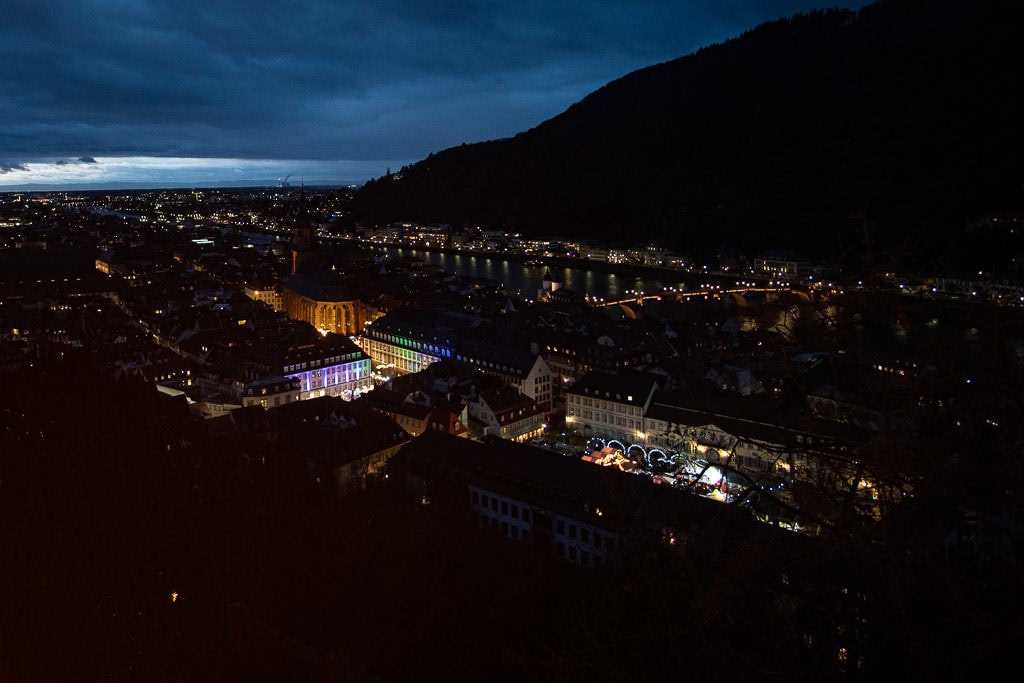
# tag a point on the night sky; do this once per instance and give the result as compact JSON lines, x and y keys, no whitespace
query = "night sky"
{"x":209,"y":92}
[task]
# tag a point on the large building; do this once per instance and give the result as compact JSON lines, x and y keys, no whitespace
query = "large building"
{"x":577,"y":511}
{"x":404,"y":344}
{"x":781,"y":264}
{"x":334,"y":366}
{"x":508,"y":413}
{"x":318,"y":295}
{"x":269,"y":393}
{"x":757,"y":441}
{"x":609,"y":406}
{"x":321,"y":299}
{"x":268,"y":294}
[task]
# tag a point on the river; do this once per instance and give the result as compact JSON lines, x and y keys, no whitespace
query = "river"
{"x":525,"y":280}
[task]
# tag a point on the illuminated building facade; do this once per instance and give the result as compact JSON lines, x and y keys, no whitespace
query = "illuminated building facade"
{"x":329,"y":307}
{"x":509,"y":414}
{"x":333,"y":367}
{"x":781,"y":264}
{"x":268,"y":295}
{"x":317,"y":295}
{"x":765,"y":446}
{"x":270,"y":393}
{"x":405,"y":347}
{"x":609,"y":406}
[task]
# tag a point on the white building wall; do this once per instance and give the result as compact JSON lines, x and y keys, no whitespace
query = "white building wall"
{"x":347,"y":380}
{"x":593,"y":416}
{"x":512,"y":517}
{"x":582,"y":543}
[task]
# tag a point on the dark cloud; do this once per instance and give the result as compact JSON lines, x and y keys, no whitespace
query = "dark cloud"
{"x":387,"y":79}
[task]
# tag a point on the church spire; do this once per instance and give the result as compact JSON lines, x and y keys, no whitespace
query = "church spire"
{"x":303,"y":237}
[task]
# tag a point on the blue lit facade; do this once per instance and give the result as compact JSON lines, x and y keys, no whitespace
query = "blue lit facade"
{"x":400,"y":347}
{"x":338,"y":369}
{"x":406,"y":347}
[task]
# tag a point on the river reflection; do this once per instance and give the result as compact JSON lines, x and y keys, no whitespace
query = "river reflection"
{"x":525,"y":280}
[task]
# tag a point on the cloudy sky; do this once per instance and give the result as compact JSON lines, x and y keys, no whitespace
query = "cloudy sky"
{"x":203,"y":92}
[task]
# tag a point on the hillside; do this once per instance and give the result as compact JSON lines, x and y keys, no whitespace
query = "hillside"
{"x":868,"y":136}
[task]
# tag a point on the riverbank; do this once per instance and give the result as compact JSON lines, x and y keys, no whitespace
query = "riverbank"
{"x":628,"y":270}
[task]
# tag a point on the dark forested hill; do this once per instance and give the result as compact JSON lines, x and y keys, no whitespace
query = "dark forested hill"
{"x":845,"y":135}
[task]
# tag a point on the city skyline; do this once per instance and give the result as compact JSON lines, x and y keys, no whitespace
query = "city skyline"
{"x":143,"y":94}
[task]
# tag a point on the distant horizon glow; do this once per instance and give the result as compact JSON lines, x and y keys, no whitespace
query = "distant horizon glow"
{"x":150,"y":172}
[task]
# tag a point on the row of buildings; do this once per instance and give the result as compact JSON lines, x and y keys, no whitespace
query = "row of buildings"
{"x":775,"y":263}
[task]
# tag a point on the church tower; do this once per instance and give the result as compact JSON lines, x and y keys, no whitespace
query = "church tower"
{"x":304,"y":254}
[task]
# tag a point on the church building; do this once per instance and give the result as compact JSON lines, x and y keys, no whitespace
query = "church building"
{"x":316,"y":294}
